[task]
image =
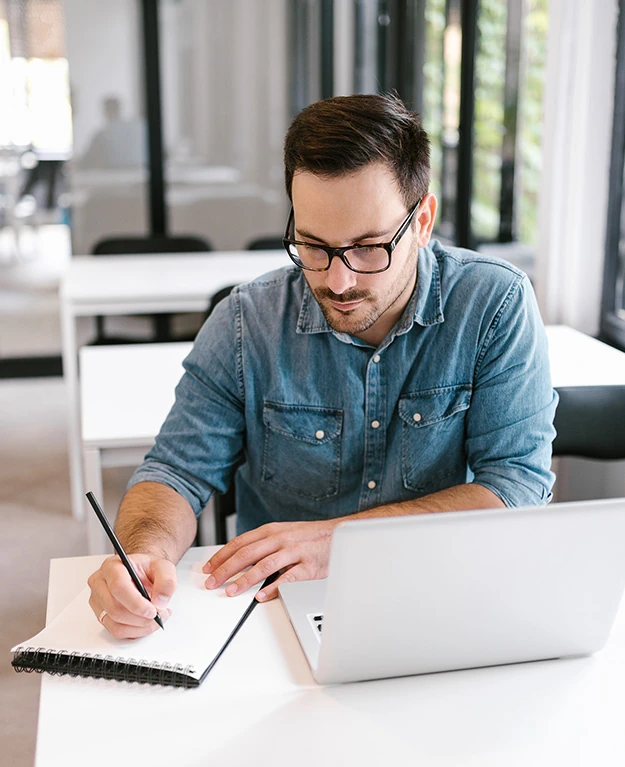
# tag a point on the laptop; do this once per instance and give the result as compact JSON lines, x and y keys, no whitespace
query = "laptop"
{"x":456,"y":590}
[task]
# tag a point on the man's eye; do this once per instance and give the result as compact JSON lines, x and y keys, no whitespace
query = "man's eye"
{"x":311,"y":250}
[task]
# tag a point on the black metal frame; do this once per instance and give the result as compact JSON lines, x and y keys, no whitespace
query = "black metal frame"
{"x":464,"y":178}
{"x":514,"y":28}
{"x":152,"y":79}
{"x":612,"y":326}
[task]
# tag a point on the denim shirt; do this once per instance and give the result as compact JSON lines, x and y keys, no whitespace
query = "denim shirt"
{"x":319,"y":424}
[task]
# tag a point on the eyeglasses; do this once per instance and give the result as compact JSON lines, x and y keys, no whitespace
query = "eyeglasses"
{"x":364,"y":259}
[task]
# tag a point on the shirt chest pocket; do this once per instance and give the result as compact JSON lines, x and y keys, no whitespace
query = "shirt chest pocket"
{"x":433,"y":437}
{"x":302,"y":451}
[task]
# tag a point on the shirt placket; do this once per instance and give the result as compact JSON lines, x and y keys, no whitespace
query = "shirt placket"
{"x":375,"y":434}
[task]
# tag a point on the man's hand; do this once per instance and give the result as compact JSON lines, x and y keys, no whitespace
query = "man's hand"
{"x":300,"y":549}
{"x":128,"y":614}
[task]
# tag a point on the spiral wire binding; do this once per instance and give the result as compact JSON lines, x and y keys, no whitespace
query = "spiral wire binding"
{"x":57,"y":662}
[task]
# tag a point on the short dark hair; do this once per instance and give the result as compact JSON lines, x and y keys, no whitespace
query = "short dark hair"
{"x":343,"y":134}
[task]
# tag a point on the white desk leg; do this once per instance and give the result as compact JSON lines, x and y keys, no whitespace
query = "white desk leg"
{"x":97,"y":540}
{"x":70,"y":375}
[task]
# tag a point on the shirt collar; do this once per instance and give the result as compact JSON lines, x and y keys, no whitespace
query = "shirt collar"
{"x":424,"y":306}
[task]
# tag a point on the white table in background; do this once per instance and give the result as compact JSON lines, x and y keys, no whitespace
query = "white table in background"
{"x":259,"y":706}
{"x":126,"y":392}
{"x":114,"y":285}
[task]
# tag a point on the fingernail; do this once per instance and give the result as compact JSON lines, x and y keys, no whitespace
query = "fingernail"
{"x":161,"y":600}
{"x":210,"y":582}
{"x":232,"y":589}
{"x":261,"y":596}
{"x":149,"y":612}
{"x":207,"y":568}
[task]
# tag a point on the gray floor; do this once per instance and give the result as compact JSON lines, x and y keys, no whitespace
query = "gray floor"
{"x":35,"y":526}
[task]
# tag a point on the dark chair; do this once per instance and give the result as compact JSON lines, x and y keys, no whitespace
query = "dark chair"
{"x":590,"y":422}
{"x":265,"y":243}
{"x":117,"y":246}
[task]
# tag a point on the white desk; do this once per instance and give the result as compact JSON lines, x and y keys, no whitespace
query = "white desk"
{"x":579,"y":360}
{"x":141,"y":285}
{"x":260,"y":706}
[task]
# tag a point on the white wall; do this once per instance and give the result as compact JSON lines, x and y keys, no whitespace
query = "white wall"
{"x":104,"y":58}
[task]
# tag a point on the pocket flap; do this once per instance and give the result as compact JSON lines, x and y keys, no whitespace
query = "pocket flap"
{"x":309,"y":423}
{"x":433,"y":405}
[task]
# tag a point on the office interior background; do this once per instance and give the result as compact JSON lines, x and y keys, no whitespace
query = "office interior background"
{"x":168,"y":116}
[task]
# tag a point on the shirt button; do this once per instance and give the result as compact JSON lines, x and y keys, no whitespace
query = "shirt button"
{"x":375,"y":424}
{"x":371,"y":485}
{"x":417,"y":417}
{"x":376,"y":358}
{"x":320,"y":434}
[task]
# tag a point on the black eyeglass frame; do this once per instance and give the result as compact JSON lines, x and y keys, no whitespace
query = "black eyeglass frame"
{"x":389,"y":247}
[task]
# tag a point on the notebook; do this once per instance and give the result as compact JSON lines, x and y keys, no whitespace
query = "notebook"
{"x":198,"y":630}
{"x":439,"y":592}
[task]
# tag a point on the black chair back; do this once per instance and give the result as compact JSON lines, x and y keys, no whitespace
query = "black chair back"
{"x":265,"y":243}
{"x":590,"y":422}
{"x":154,"y":243}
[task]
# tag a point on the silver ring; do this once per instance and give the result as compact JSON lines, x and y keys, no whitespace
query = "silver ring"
{"x":102,"y":615}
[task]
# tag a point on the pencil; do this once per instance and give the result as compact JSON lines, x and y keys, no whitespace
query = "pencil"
{"x":120,"y":551}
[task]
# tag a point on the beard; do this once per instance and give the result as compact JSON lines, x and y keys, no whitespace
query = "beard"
{"x":354,"y":321}
{"x":363,"y":317}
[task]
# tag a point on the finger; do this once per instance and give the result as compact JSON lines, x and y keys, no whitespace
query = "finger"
{"x":128,"y":631}
{"x":125,"y":593}
{"x":162,"y":573}
{"x":243,"y":558}
{"x":263,"y":569}
{"x":295,"y":573}
{"x":245,"y":539}
{"x":103,"y":600}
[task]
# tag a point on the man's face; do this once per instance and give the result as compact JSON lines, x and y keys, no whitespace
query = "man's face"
{"x":362,"y":208}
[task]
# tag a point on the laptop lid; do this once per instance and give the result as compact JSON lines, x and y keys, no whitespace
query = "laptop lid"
{"x":437,"y":592}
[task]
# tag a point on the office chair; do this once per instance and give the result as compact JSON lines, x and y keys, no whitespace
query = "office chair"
{"x":155,"y":243}
{"x":265,"y":243}
{"x":590,"y":422}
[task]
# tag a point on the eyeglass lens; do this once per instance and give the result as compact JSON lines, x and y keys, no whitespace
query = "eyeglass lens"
{"x":361,"y":258}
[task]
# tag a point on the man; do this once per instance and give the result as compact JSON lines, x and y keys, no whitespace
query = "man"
{"x":380,"y":375}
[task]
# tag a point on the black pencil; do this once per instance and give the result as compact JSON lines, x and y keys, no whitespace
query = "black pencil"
{"x":120,"y":551}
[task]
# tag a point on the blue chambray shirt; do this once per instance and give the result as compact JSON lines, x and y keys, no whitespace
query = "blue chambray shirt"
{"x":319,"y":424}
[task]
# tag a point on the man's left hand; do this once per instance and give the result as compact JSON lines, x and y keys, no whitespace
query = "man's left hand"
{"x":300,"y":549}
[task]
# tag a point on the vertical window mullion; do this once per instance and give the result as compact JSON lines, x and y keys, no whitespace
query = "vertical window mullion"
{"x":464,"y":235}
{"x":507,"y":223}
{"x":612,"y":312}
{"x":326,"y":10}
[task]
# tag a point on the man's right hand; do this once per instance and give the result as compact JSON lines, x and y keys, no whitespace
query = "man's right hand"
{"x":128,"y":615}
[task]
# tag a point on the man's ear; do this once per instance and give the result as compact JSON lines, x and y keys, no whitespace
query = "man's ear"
{"x":426,"y":216}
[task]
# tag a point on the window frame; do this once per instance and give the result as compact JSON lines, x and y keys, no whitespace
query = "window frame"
{"x":612,"y":327}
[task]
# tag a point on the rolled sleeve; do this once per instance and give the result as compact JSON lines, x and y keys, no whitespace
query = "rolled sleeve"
{"x":510,"y":422}
{"x":201,"y":441}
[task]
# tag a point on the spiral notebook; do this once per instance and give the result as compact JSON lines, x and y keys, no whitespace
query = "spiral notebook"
{"x":200,"y":628}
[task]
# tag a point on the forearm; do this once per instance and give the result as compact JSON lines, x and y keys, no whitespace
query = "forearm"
{"x":457,"y":498}
{"x":154,"y":519}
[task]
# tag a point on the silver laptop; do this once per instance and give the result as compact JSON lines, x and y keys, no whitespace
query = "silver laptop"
{"x":438,"y":592}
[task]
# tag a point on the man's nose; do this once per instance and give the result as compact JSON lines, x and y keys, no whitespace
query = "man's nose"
{"x":339,"y":278}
